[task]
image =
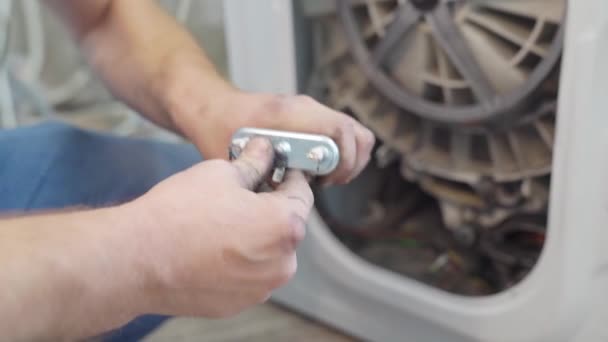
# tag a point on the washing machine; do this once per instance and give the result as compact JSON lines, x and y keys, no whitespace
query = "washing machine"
{"x":482,"y":215}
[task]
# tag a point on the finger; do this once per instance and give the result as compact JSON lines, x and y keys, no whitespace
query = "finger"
{"x":309,"y":177}
{"x":294,"y":201}
{"x":344,"y":135}
{"x":296,"y":193}
{"x":365,"y":141}
{"x":254,"y":163}
{"x":285,"y":270}
{"x":304,"y":114}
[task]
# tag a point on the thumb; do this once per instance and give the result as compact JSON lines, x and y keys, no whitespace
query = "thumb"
{"x":254,"y":163}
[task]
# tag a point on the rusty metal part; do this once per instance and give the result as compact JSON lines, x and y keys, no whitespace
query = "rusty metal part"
{"x":460,"y":206}
{"x":514,"y":247}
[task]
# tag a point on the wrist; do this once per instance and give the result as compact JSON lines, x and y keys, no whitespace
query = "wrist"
{"x":192,"y":93}
{"x":141,"y":261}
{"x":85,"y":260}
{"x":123,"y":268}
{"x":153,"y":249}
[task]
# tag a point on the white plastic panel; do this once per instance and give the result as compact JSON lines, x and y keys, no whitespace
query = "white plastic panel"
{"x":563,"y":299}
{"x":260,"y":45}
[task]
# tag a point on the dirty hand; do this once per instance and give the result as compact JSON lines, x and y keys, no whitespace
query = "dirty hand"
{"x":217,"y":247}
{"x":235,"y":109}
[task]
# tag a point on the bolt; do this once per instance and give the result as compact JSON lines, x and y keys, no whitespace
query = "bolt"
{"x":240,"y":142}
{"x":283,"y":147}
{"x":237,"y":147}
{"x":278,"y":174}
{"x":317,"y":153}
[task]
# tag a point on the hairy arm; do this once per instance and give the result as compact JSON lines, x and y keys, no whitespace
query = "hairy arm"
{"x":146,"y":58}
{"x":68,"y":275}
{"x":154,"y":65}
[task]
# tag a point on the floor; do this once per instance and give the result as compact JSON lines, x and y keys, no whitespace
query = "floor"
{"x":264,"y":323}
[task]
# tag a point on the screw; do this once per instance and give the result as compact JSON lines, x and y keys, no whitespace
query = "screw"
{"x":240,"y":142}
{"x":237,"y":147}
{"x":278,"y":175}
{"x":283,"y":147}
{"x":317,"y":153}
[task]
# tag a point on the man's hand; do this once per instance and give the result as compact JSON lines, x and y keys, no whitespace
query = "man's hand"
{"x":210,"y":128}
{"x":217,"y":247}
{"x":199,"y":243}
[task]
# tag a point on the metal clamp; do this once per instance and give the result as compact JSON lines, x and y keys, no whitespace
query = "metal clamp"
{"x":311,"y":153}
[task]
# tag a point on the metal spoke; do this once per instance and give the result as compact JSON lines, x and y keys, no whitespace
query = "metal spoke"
{"x":549,"y":10}
{"x":451,"y":39}
{"x":404,"y":21}
{"x":507,"y":33}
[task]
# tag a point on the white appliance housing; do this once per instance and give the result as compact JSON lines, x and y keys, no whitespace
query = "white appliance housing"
{"x":565,"y":297}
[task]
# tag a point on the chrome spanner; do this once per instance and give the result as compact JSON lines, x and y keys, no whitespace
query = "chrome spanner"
{"x":314,"y":154}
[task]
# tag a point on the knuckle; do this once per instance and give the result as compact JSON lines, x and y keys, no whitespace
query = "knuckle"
{"x":370,"y":139}
{"x":294,"y":231}
{"x":349,"y":130}
{"x":303,"y":201}
{"x":271,"y":107}
{"x":284,"y":218}
{"x":289,"y":230}
{"x":247,"y":169}
{"x":297,"y":231}
{"x":348,"y":161}
{"x":285,"y":273}
{"x":342,"y":128}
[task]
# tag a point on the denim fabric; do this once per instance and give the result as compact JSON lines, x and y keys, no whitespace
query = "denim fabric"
{"x":53,"y":165}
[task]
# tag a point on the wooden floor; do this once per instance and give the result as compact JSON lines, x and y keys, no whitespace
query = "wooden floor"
{"x":264,"y":323}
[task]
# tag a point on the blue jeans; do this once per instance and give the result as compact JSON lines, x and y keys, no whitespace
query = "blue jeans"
{"x":54,"y":165}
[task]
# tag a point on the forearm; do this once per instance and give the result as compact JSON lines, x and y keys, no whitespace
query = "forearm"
{"x":146,"y":58}
{"x":69,"y":275}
